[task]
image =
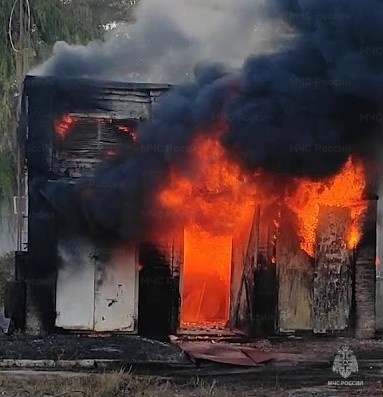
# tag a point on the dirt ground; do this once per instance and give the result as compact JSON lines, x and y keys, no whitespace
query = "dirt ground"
{"x":75,"y":347}
{"x":71,"y":347}
{"x":119,"y":384}
{"x":302,"y":368}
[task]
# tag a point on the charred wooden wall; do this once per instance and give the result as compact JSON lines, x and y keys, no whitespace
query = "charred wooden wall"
{"x":335,"y":290}
{"x":295,"y":272}
{"x":42,"y":231}
{"x":265,"y":276}
{"x":333,"y":271}
{"x":244,"y":252}
{"x":45,"y":99}
{"x":253,"y":276}
{"x":365,"y":277}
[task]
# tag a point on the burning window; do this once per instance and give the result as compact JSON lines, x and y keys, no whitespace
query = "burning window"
{"x":93,"y":137}
{"x":64,"y":125}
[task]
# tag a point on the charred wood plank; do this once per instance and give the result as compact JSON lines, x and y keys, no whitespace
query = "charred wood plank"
{"x":332,"y":282}
{"x":295,"y":277}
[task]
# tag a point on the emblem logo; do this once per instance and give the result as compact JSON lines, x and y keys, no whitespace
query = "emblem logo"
{"x":345,"y":362}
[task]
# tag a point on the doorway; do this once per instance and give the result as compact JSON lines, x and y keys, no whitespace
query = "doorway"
{"x":205,"y":280}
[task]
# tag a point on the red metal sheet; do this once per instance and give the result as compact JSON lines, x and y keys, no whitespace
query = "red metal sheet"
{"x":226,"y":353}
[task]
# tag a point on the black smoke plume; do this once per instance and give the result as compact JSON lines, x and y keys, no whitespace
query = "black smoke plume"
{"x":301,"y":109}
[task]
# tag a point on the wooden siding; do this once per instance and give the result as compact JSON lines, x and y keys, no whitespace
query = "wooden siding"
{"x":245,"y":247}
{"x":295,"y":275}
{"x":332,"y":282}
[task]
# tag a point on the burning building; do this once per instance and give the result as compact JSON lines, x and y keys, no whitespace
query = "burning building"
{"x":116,"y":241}
{"x":240,"y":202}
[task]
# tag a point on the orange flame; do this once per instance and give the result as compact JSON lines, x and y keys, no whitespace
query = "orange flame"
{"x":64,"y":125}
{"x":217,"y":194}
{"x":127,"y":130}
{"x":210,"y":203}
{"x":345,"y":189}
{"x":216,"y":198}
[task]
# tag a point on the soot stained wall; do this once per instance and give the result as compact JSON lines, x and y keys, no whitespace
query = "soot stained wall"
{"x":45,"y":99}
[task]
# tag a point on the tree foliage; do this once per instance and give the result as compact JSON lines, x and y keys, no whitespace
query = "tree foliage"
{"x":107,"y":11}
{"x":28,"y":30}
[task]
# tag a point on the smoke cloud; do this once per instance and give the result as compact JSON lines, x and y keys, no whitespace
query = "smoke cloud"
{"x":300,"y":91}
{"x":167,"y":40}
{"x":303,"y":109}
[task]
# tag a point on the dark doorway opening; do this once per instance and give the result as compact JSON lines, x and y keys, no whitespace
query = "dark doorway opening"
{"x":157,"y":293}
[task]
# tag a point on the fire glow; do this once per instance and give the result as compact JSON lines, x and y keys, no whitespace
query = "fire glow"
{"x":344,"y":189}
{"x":217,"y":197}
{"x":127,"y":130}
{"x":64,"y":125}
{"x":210,"y":206}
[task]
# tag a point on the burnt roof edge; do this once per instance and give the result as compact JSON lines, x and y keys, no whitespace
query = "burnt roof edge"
{"x":32,"y":81}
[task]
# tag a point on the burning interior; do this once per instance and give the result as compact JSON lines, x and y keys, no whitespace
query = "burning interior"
{"x":215,"y":248}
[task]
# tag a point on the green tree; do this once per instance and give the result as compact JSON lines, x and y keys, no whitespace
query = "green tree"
{"x":28,"y":30}
{"x":107,"y":11}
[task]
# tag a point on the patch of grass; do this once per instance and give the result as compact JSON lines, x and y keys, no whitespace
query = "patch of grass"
{"x":103,"y":385}
{"x":120,"y":384}
{"x":116,"y":384}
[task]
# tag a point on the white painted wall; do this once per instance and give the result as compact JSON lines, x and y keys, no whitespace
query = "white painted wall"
{"x":75,"y":287}
{"x":96,"y":296}
{"x":116,"y":288}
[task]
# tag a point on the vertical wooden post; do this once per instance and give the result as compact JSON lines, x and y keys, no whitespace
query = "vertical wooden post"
{"x":365,"y":277}
{"x":244,"y":254}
